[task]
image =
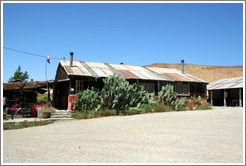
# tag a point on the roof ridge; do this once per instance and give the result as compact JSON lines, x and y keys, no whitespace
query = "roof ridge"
{"x":121,"y":64}
{"x":94,"y":74}
{"x":147,"y":68}
{"x":112,"y":68}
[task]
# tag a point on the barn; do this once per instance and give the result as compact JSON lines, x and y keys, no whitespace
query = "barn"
{"x":74,"y":76}
{"x":226,"y":92}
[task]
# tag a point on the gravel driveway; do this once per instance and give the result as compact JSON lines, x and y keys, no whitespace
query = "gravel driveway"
{"x":211,"y":136}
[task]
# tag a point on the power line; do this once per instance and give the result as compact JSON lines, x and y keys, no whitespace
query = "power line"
{"x":24,"y":52}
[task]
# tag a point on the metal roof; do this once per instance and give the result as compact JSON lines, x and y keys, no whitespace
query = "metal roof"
{"x":228,"y":83}
{"x":176,"y":75}
{"x":27,"y":85}
{"x":96,"y":69}
{"x":77,"y":68}
{"x":137,"y":72}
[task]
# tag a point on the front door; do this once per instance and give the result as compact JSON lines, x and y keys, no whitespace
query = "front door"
{"x":61,"y":96}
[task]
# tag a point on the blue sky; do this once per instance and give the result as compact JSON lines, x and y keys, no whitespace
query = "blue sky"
{"x":136,"y":34}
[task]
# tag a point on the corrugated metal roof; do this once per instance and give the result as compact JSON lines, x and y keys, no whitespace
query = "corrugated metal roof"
{"x":176,"y":75}
{"x":96,"y":69}
{"x":100,"y":69}
{"x":137,"y":72}
{"x":228,"y":83}
{"x":76,"y":69}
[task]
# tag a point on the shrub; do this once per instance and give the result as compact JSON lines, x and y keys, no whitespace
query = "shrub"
{"x":42,"y":99}
{"x":107,"y":112}
{"x":133,"y":111}
{"x":4,"y":114}
{"x":147,"y":108}
{"x":190,"y":106}
{"x":86,"y":100}
{"x":196,"y":102}
{"x":34,"y":109}
{"x":156,"y":107}
{"x":80,"y":115}
{"x":162,"y":108}
{"x":205,"y":106}
{"x":84,"y":115}
{"x":47,"y":110}
{"x":180,"y":104}
{"x":183,"y":108}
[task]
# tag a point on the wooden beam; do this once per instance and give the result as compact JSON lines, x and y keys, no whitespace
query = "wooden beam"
{"x":224,"y":97}
{"x":211,"y":97}
{"x":158,"y":86}
{"x":240,"y":97}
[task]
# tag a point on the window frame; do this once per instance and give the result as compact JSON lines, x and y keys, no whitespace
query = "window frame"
{"x":79,"y":86}
{"x":149,"y":87}
{"x":180,"y":91}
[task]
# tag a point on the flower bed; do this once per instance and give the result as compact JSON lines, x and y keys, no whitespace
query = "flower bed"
{"x":34,"y":110}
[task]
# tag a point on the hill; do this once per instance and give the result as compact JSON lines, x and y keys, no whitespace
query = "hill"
{"x":205,"y":72}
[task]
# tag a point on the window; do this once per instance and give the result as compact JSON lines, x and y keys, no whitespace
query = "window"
{"x":182,"y":89}
{"x":149,"y":87}
{"x":79,"y":85}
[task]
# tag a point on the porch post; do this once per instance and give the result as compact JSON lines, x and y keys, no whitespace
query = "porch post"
{"x":158,"y":86}
{"x":240,"y":97}
{"x":54,"y":95}
{"x":224,"y":97}
{"x":48,"y":98}
{"x":211,"y":97}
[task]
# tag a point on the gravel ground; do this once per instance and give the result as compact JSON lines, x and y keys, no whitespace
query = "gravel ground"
{"x":211,"y":136}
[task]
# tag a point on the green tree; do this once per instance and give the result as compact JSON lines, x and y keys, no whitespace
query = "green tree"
{"x":19,"y":75}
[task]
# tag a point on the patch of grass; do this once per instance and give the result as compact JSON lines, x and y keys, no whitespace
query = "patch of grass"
{"x":156,"y":107}
{"x":4,"y":114}
{"x":132,"y":111}
{"x":79,"y":115}
{"x":205,"y":106}
{"x":107,"y":112}
{"x":162,"y":108}
{"x":183,"y":108}
{"x":7,"y":126}
{"x":147,"y":108}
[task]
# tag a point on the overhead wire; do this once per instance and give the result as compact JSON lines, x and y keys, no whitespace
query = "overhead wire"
{"x":24,"y":52}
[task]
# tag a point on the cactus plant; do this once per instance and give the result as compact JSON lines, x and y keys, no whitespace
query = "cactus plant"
{"x":167,"y":96}
{"x":118,"y":94}
{"x":86,"y":100}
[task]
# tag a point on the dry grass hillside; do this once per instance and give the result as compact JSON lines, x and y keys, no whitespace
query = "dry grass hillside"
{"x":207,"y":73}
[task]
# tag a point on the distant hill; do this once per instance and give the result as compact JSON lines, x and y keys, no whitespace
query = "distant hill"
{"x":205,"y":72}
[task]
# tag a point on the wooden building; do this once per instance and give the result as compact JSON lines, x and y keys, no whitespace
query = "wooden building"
{"x":25,"y":91}
{"x":226,"y":92}
{"x":74,"y":76}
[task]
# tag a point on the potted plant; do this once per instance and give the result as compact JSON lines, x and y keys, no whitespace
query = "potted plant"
{"x":4,"y":114}
{"x":47,"y":112}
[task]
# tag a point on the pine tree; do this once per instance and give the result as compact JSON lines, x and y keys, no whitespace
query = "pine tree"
{"x":18,"y":75}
